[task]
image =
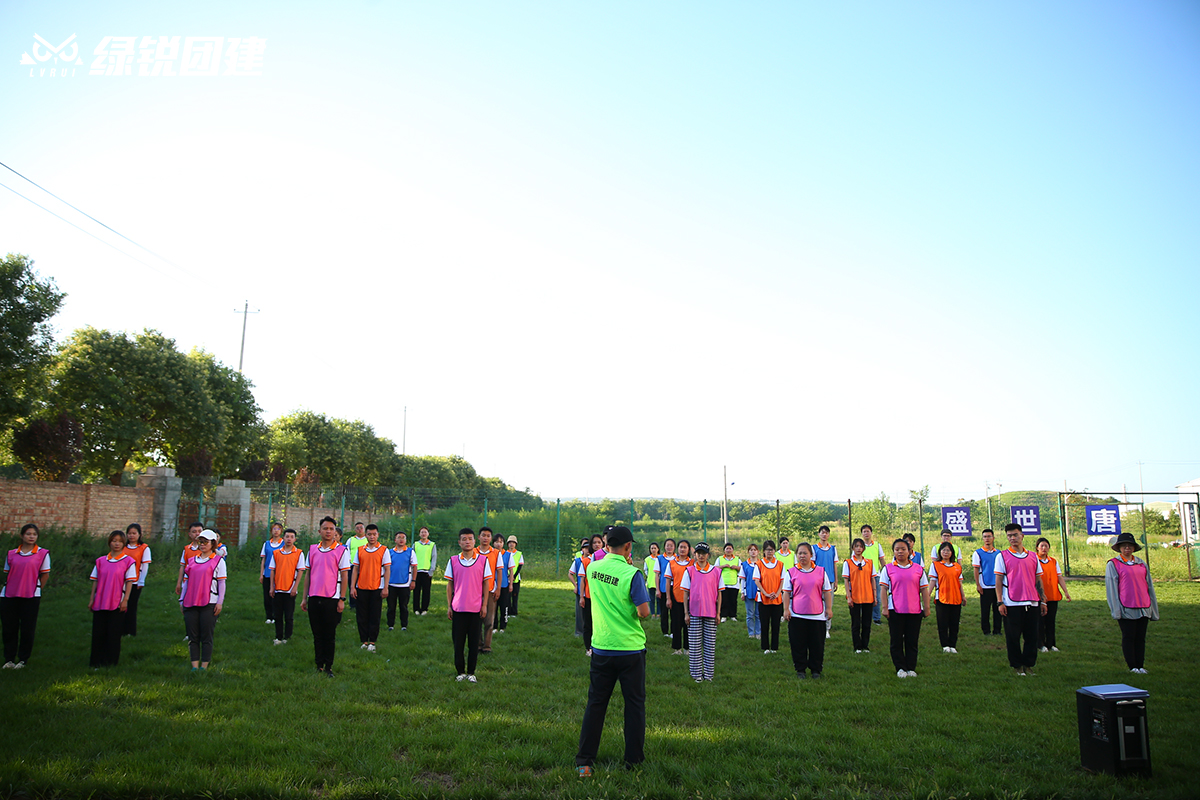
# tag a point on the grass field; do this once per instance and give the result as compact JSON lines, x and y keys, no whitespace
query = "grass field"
{"x":261,"y":723}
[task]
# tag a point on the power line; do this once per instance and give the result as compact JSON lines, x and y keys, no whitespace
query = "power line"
{"x":73,"y":225}
{"x":89,"y":216}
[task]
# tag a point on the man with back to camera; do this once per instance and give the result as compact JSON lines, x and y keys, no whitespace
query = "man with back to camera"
{"x":619,"y":603}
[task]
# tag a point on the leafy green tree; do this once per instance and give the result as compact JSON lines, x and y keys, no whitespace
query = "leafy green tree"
{"x":239,"y":433}
{"x":26,"y":343}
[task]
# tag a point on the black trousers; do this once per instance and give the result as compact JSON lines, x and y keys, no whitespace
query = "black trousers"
{"x":729,"y":602}
{"x":578,"y":616}
{"x":679,"y":631}
{"x":398,"y":596}
{"x":1133,"y":641}
{"x":368,"y":613}
{"x":130,"y":628}
{"x":989,"y":612}
{"x":323,"y":618}
{"x":502,"y":606}
{"x":664,"y":615}
{"x":605,"y":671}
{"x":106,"y":638}
{"x":512,"y":604}
{"x":1048,"y":638}
{"x":769,"y":617}
{"x":268,"y":598}
{"x":465,"y":630}
{"x":948,"y":617}
{"x":200,"y":622}
{"x":807,"y":638}
{"x":19,"y":616}
{"x":421,"y":592}
{"x":1021,"y":622}
{"x":860,"y":625}
{"x":283,"y":611}
{"x":905,"y":630}
{"x":587,"y":623}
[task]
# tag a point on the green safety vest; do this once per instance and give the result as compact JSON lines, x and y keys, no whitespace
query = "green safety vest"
{"x":424,"y":554}
{"x":615,"y":622}
{"x":730,"y":567}
{"x":788,"y":560}
{"x":516,"y":561}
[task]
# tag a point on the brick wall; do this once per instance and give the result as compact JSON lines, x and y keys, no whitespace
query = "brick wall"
{"x":303,"y":518}
{"x":96,"y":509}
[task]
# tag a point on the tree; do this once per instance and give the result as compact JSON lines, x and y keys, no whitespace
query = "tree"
{"x":49,"y":449}
{"x":26,"y":305}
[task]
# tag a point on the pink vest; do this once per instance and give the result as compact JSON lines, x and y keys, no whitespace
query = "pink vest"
{"x":110,"y":582}
{"x":323,"y":570}
{"x":23,"y":572}
{"x":1132,"y":586}
{"x":1021,"y":576}
{"x":199,"y":588}
{"x":704,"y":591}
{"x":807,"y":594}
{"x":467,"y":584}
{"x":905,"y":591}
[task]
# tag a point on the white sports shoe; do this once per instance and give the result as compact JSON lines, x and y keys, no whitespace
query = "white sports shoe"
{"x":1044,"y":650}
{"x":901,"y":673}
{"x":945,"y":649}
{"x":370,"y":648}
{"x":826,"y":634}
{"x":471,"y":679}
{"x":952,"y":650}
{"x":9,"y":665}
{"x":362,"y":646}
{"x":278,"y":641}
{"x":912,"y":674}
{"x":461,"y":678}
{"x":856,"y":652}
{"x":21,"y":665}
{"x":1054,"y":650}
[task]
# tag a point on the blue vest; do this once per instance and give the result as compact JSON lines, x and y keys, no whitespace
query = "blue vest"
{"x":505,"y":559}
{"x":987,"y":567}
{"x":401,"y":572}
{"x":824,"y":559}
{"x":662,"y":573}
{"x":748,"y":574}
{"x":270,"y":551}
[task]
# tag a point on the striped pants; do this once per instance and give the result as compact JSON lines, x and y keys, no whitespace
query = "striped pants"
{"x":702,"y":656}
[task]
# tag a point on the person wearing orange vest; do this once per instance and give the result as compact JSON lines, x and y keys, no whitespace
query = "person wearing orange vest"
{"x":676,"y":569}
{"x":140,"y":551}
{"x":945,"y":576}
{"x":1055,"y":588}
{"x":860,"y":575}
{"x":369,"y":567}
{"x":768,"y":576}
{"x":492,"y":555}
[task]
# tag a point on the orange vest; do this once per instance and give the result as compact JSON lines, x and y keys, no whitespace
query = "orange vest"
{"x":771,"y":578}
{"x":583,"y":565}
{"x":949,"y":583}
{"x":678,"y":570}
{"x":862,"y":588}
{"x":370,"y":567}
{"x":285,"y":569}
{"x":1050,"y":579}
{"x":493,"y":558}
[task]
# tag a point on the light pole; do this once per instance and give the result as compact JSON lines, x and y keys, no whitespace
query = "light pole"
{"x":725,"y":502}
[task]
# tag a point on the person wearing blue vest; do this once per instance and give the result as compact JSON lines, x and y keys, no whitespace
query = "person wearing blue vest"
{"x":507,"y":563}
{"x":619,"y":603}
{"x":825,"y":556}
{"x":750,"y":592}
{"x":983,"y":561}
{"x":402,"y":575}
{"x":575,"y":576}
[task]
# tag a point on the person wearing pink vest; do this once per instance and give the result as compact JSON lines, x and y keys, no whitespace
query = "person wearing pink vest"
{"x":701,"y":603}
{"x":807,"y":604}
{"x":467,"y":578}
{"x":112,"y":580}
{"x":1022,"y":599}
{"x":25,"y":570}
{"x":905,"y":589}
{"x":202,"y":599}
{"x":1130,"y":593}
{"x":325,"y":597}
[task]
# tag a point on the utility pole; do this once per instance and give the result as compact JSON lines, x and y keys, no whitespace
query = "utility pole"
{"x":404,"y":434}
{"x":725,"y":503}
{"x":245,"y":312}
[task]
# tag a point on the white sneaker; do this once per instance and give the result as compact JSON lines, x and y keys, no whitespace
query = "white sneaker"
{"x":362,"y":646}
{"x":21,"y":665}
{"x":1044,"y":650}
{"x":952,"y":650}
{"x":587,"y":652}
{"x":403,"y":629}
{"x":686,"y":651}
{"x":270,"y":622}
{"x":945,"y":649}
{"x":461,"y":678}
{"x":471,"y":679}
{"x":283,"y":641}
{"x":500,"y":631}
{"x":826,"y":634}
{"x":901,"y":673}
{"x":856,"y":652}
{"x":912,"y":674}
{"x":279,"y":641}
{"x":723,"y":619}
{"x":9,"y":665}
{"x":766,"y":652}
{"x":390,"y":628}
{"x":370,"y":648}
{"x":1054,"y":650}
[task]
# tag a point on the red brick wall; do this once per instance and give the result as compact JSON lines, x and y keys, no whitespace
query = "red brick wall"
{"x":96,"y":509}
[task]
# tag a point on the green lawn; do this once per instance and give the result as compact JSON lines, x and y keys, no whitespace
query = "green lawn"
{"x":261,"y":723}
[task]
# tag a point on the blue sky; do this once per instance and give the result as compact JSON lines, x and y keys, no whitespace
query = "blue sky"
{"x":605,"y":249}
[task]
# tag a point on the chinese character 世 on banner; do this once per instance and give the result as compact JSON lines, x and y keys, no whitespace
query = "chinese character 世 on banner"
{"x":1029,"y":518}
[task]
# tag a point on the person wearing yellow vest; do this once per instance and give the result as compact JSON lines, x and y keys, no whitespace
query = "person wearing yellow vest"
{"x":352,"y":544}
{"x":620,"y":602}
{"x":730,"y":566}
{"x":785,"y":554}
{"x":875,"y":551}
{"x":1055,"y":588}
{"x":425,"y":552}
{"x":945,"y":577}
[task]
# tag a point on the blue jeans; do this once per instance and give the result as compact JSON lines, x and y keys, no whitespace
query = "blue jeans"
{"x":876,"y":615}
{"x":752,"y":625}
{"x":653,"y":602}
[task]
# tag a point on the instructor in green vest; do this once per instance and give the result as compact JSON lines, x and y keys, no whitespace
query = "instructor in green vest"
{"x":619,"y":603}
